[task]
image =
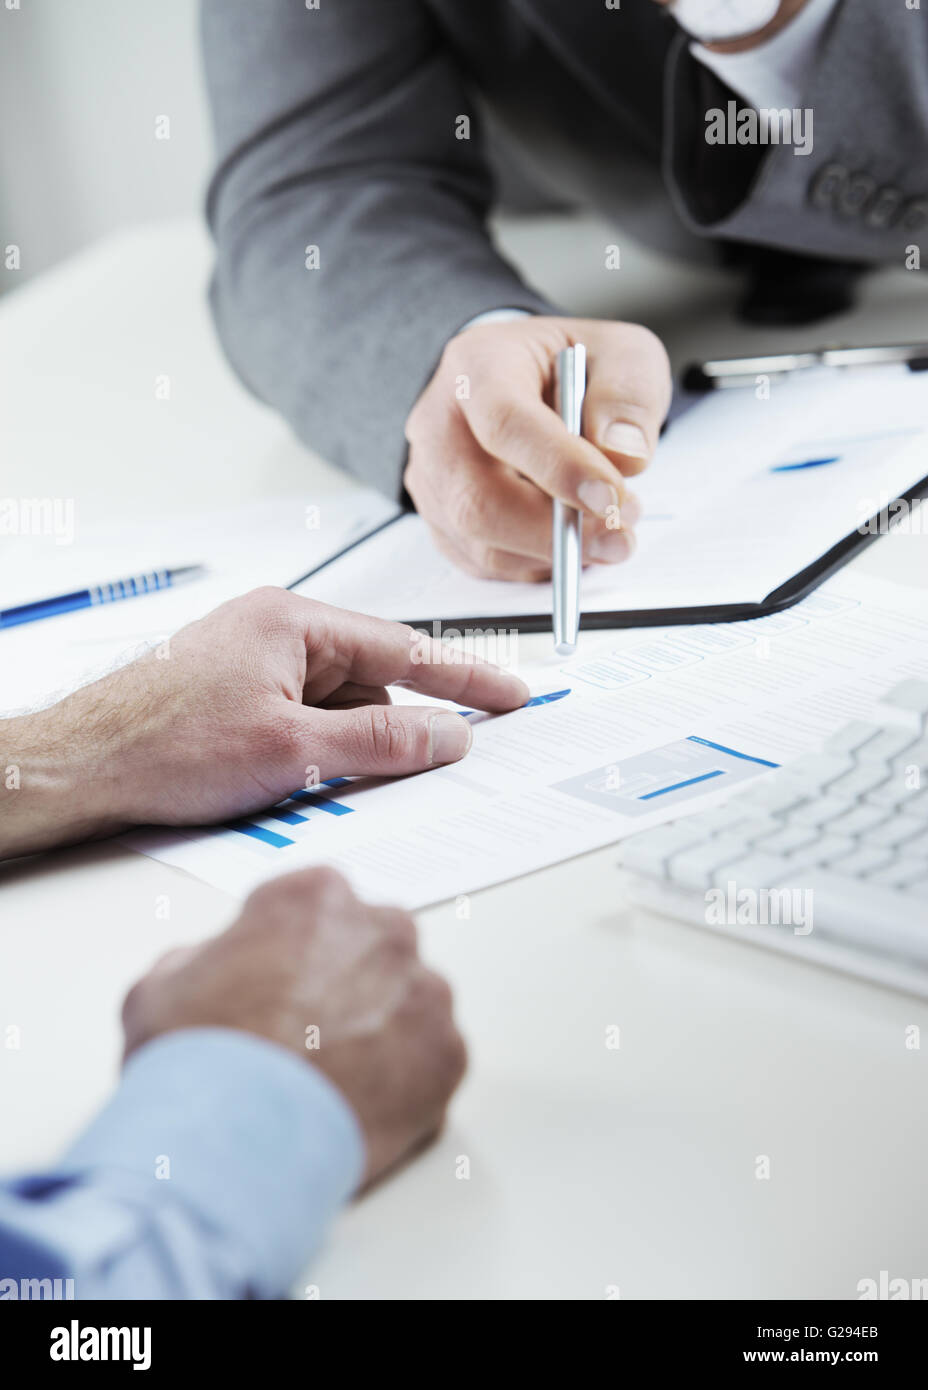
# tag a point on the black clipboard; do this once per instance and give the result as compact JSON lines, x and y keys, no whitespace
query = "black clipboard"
{"x":697,"y":380}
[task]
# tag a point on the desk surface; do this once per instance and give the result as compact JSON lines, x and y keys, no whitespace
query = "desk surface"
{"x":590,"y":1169}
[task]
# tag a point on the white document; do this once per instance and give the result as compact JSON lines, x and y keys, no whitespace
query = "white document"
{"x":648,"y":732}
{"x":742,"y":495}
{"x":269,"y":541}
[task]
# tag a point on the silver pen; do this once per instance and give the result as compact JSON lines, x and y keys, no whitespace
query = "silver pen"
{"x":567,"y":523}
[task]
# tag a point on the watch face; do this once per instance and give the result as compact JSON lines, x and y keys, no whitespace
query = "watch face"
{"x":714,"y":21}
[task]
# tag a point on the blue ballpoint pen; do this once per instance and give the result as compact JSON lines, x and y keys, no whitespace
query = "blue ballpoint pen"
{"x":97,"y":594}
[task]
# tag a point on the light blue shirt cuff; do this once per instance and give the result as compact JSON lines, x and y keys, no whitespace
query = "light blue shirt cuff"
{"x":255,"y":1145}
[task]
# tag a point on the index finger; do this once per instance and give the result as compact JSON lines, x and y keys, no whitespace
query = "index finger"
{"x":511,"y":422}
{"x":375,"y":652}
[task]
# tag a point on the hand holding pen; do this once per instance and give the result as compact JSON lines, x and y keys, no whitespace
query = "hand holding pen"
{"x":487,"y":454}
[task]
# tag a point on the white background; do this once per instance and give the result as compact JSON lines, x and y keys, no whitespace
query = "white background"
{"x":81,"y":84}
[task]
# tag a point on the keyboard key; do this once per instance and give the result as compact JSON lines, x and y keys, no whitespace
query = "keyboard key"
{"x":896,"y":831}
{"x":863,"y":861}
{"x":692,"y":868}
{"x":753,"y":827}
{"x":899,"y":871}
{"x":722,"y":818}
{"x":888,"y":796}
{"x":649,"y":852}
{"x":768,"y":795}
{"x":916,"y":803}
{"x":847,"y":741}
{"x":831,"y":847}
{"x":861,"y":818}
{"x":813,"y":853}
{"x":820,"y":811}
{"x":753,"y":871}
{"x":818,"y":772}
{"x":916,"y":755}
{"x":887,"y":745}
{"x":860,"y":781}
{"x":790,"y":838}
{"x":909,"y":695}
{"x":810,"y":856}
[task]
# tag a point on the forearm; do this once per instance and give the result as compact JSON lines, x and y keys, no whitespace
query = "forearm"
{"x":58,"y":786}
{"x":372,"y":327}
{"x":348,"y":210}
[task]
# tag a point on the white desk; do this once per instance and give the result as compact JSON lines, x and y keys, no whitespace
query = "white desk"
{"x":589,"y":1168}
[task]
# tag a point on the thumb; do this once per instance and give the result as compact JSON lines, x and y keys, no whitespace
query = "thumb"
{"x":628,"y":392}
{"x":386,"y":740}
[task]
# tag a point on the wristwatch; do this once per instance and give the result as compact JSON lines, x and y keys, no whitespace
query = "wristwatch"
{"x":717,"y":21}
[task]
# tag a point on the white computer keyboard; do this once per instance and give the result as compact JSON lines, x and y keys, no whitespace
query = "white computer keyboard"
{"x":826,"y":858}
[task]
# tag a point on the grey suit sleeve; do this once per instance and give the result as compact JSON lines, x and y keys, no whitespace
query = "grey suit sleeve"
{"x":861,"y":193}
{"x":337,"y":132}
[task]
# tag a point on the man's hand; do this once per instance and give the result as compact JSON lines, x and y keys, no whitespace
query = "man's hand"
{"x":487,"y":452}
{"x":269,"y":693}
{"x":306,"y":961}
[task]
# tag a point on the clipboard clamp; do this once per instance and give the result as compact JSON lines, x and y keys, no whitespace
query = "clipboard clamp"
{"x":742,"y":371}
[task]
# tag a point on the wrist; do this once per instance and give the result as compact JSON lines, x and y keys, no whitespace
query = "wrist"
{"x":55,"y":789}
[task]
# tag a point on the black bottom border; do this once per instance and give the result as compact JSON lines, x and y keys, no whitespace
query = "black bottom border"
{"x":238,"y":1339}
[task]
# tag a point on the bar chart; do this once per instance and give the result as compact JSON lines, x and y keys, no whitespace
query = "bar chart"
{"x":284,"y":824}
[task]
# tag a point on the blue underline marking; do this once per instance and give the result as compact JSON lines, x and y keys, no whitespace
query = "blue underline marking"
{"x":809,"y":463}
{"x":690,"y":781}
{"x":732,"y":752}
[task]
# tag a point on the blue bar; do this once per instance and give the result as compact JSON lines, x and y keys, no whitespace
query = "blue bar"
{"x":690,"y":781}
{"x":324,"y":803}
{"x":732,"y":752}
{"x":288,"y":817}
{"x":337,"y":782}
{"x":546,"y":699}
{"x":258,"y":832}
{"x":809,"y":463}
{"x":535,"y":700}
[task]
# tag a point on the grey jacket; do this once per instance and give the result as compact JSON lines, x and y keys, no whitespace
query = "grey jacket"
{"x":361,"y":144}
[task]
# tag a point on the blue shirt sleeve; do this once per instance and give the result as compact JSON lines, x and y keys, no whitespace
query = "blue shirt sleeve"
{"x":212,"y":1172}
